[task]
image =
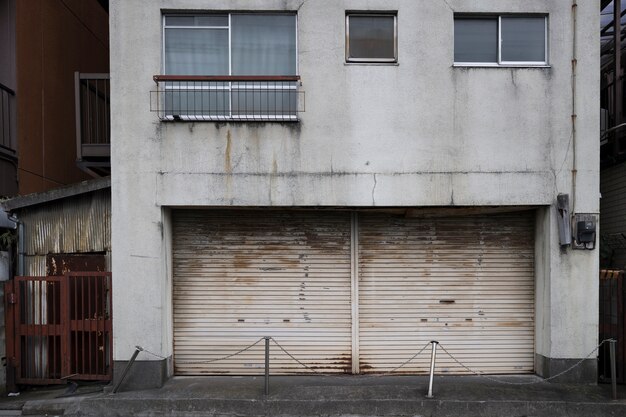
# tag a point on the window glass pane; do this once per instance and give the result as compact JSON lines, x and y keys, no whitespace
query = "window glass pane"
{"x":196,"y":51}
{"x":523,"y":39}
{"x":475,"y":40}
{"x":212,"y":20}
{"x":201,"y":20}
{"x":179,"y":21}
{"x":371,"y":37}
{"x":263,"y":44}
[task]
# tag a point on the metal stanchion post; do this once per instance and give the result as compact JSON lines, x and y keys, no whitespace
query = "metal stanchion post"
{"x":267,"y":365}
{"x":130,"y":363}
{"x":433,"y":356}
{"x":613,"y":368}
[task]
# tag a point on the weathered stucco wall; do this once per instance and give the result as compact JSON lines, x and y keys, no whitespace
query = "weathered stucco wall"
{"x":419,"y":133}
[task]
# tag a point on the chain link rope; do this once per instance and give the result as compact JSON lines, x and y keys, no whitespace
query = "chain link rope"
{"x":477,"y":373}
{"x":530,"y":382}
{"x":364,"y":376}
{"x":204,"y":361}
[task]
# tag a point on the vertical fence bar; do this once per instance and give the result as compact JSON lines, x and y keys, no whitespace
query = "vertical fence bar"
{"x":83,"y":305}
{"x":41,"y":342}
{"x":98,"y":322}
{"x":11,"y":315}
{"x":74,"y":324}
{"x":109,"y":303}
{"x":31,"y":333}
{"x":267,"y":365}
{"x":433,"y":356}
{"x":89,"y":332}
{"x":613,"y":369}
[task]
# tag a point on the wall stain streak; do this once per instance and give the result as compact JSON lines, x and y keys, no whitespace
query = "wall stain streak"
{"x":227,"y":165}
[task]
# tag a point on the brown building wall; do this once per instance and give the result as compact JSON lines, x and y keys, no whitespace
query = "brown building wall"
{"x":8,"y":165}
{"x":54,"y":38}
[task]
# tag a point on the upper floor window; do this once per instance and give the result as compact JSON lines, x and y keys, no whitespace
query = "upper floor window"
{"x":371,"y":37}
{"x":501,"y":40}
{"x":230,"y":44}
{"x":231,"y":66}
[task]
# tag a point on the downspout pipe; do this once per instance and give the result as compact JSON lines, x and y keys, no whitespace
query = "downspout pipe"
{"x":20,"y":248}
{"x":574,"y":109}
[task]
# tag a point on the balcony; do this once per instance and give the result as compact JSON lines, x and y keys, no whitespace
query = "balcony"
{"x":7,"y":121}
{"x":8,"y":139}
{"x":227,"y":98}
{"x":93,"y":123}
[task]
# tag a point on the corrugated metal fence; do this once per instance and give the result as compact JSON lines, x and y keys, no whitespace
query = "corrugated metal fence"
{"x":79,"y":224}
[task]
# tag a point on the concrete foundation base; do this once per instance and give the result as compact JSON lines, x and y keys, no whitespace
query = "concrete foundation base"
{"x":142,"y":374}
{"x":585,"y":373}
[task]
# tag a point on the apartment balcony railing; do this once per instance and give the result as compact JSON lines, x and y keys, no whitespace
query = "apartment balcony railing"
{"x":227,"y":98}
{"x":93,"y":123}
{"x":7,"y":120}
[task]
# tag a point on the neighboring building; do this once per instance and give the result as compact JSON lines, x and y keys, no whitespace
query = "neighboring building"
{"x":613,"y":137}
{"x":612,"y":186}
{"x":42,"y":45}
{"x":354,"y":179}
{"x":61,"y":232}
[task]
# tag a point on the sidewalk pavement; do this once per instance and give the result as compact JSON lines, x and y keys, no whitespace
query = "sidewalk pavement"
{"x":327,"y":396}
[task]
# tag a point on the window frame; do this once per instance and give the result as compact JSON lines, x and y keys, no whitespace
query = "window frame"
{"x":500,"y":62}
{"x":227,"y":13}
{"x":231,"y":86}
{"x":394,"y":60}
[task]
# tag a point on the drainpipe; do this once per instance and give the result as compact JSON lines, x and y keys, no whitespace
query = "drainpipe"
{"x":20,"y":248}
{"x":574,"y":115}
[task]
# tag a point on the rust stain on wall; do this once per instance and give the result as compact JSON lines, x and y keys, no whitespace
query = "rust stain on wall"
{"x":227,"y":165}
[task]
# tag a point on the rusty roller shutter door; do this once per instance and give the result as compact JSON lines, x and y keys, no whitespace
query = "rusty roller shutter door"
{"x":242,"y":275}
{"x":466,"y":282}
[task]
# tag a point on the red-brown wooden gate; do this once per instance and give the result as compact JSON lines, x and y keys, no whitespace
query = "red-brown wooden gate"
{"x":59,"y":328}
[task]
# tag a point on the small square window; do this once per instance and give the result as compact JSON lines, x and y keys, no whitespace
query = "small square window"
{"x":371,"y":37}
{"x":501,"y":40}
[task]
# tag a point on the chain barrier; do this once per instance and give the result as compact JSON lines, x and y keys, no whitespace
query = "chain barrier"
{"x":405,"y":363}
{"x":525,"y":383}
{"x":304,"y":365}
{"x":204,"y":361}
{"x":366,"y":376}
{"x":294,"y":358}
{"x":477,"y":373}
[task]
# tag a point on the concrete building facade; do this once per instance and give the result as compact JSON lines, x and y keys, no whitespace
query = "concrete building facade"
{"x":411,"y":153}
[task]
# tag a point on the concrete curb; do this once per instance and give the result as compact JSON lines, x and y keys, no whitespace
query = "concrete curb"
{"x":109,"y":406}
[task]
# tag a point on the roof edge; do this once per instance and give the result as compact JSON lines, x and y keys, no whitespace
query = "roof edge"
{"x":56,"y":194}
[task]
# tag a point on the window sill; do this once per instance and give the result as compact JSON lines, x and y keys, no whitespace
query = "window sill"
{"x":481,"y":65}
{"x":375,"y":64}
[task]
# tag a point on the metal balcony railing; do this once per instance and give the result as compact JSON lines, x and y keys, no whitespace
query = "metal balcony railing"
{"x":93,"y":123}
{"x":7,"y":122}
{"x":93,"y":115}
{"x":227,"y":98}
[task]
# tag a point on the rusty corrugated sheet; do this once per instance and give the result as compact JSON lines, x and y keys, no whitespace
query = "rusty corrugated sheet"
{"x":466,"y":282}
{"x":72,"y":225}
{"x":242,"y":275}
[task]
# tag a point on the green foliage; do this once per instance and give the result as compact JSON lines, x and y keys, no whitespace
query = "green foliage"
{"x":7,"y":239}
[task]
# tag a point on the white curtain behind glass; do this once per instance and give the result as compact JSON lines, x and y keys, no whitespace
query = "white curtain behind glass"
{"x":196,"y":51}
{"x":263,"y":44}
